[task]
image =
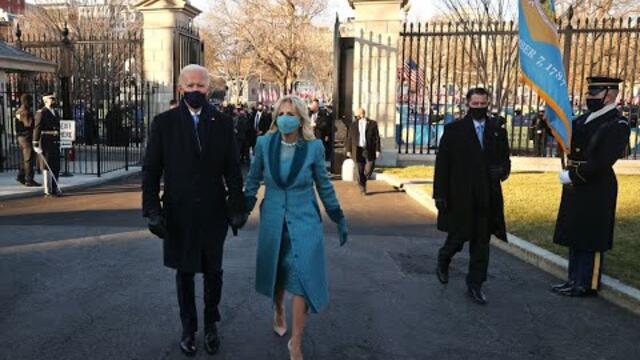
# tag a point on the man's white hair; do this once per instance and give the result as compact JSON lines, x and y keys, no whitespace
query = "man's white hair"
{"x":192,"y":68}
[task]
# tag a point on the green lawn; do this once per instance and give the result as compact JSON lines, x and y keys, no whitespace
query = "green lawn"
{"x":531,"y":207}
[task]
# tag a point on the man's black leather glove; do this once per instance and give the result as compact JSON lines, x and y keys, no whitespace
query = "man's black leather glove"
{"x":496,"y":172}
{"x":238,"y":221}
{"x":157,"y":226}
{"x":441,"y":204}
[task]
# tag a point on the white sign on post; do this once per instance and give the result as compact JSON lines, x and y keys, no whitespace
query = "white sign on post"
{"x":67,"y":133}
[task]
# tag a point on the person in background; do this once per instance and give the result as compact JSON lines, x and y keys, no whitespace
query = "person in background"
{"x":260,"y":123}
{"x":321,"y":124}
{"x":363,"y":145}
{"x":243,"y":133}
{"x":24,"y":131}
{"x":173,"y":104}
{"x":46,"y":142}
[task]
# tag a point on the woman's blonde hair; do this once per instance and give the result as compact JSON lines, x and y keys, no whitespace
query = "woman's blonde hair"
{"x":300,"y":107}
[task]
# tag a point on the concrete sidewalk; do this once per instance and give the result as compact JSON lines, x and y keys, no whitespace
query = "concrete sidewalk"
{"x":11,"y":189}
{"x":82,"y":278}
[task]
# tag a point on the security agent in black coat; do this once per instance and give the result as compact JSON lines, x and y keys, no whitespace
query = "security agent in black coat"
{"x":260,"y":123}
{"x":588,"y":207}
{"x":322,"y":124}
{"x":193,"y":148}
{"x":364,"y":156}
{"x":467,"y":189}
{"x":46,"y":143}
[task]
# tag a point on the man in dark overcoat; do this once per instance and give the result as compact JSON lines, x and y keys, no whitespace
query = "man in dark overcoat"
{"x":193,"y":149}
{"x":363,"y":144}
{"x":588,"y":207}
{"x":260,"y":123}
{"x":322,"y":124}
{"x":472,"y":161}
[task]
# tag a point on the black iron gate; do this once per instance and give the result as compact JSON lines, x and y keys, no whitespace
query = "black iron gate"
{"x":99,"y":85}
{"x":439,"y":62}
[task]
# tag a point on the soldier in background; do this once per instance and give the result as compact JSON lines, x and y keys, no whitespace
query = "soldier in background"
{"x":46,"y":142}
{"x":588,"y":207}
{"x":24,"y":132}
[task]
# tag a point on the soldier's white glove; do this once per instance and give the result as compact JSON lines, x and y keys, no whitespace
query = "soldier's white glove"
{"x":38,"y":150}
{"x":564,"y":177}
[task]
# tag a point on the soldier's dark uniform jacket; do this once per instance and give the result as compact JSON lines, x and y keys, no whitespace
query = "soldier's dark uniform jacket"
{"x":46,"y":135}
{"x":587,"y":211}
{"x":588,"y":208}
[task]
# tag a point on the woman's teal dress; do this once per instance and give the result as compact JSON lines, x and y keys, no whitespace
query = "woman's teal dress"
{"x":295,"y":260}
{"x":287,"y":274}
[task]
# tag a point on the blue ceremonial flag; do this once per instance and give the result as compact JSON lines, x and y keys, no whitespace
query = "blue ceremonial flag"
{"x":542,"y":67}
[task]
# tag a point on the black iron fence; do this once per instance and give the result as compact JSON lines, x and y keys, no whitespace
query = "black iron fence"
{"x":188,"y":49}
{"x":99,"y":84}
{"x":439,"y":62}
{"x":110,"y":135}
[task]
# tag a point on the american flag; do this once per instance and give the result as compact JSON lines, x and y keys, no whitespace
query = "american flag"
{"x":412,"y":73}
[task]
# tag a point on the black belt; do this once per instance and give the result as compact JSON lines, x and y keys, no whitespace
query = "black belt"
{"x":575,"y":163}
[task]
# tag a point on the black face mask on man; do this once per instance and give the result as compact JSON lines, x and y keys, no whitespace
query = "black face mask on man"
{"x":478,"y":113}
{"x":195,"y":99}
{"x":596,"y":104}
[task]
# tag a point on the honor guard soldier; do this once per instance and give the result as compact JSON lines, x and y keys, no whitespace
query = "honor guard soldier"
{"x":587,"y":210}
{"x":46,"y":143}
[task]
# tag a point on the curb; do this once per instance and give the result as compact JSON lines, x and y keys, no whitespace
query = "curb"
{"x":105,"y":179}
{"x":612,"y":289}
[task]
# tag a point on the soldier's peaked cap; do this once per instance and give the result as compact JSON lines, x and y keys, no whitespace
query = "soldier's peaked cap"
{"x":48,"y":96}
{"x":603,"y":82}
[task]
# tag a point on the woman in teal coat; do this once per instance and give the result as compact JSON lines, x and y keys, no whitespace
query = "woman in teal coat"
{"x":290,"y":254}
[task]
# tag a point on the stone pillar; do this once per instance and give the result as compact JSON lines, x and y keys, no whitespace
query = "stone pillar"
{"x":160,"y":18}
{"x":377,"y":27}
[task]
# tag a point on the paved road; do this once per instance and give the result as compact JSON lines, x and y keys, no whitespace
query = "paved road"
{"x":80,"y":278}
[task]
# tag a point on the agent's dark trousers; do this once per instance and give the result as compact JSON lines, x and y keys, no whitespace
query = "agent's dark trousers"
{"x":585,"y":268}
{"x":478,"y":251}
{"x":212,"y":278}
{"x":365,"y":167}
{"x":25,"y":171}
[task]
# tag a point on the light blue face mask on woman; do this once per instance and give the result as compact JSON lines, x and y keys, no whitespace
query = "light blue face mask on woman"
{"x":288,"y":123}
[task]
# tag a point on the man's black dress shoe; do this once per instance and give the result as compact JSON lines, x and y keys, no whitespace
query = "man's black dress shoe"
{"x":31,"y":183}
{"x":578,"y":291}
{"x":211,"y":340}
{"x":564,"y":286}
{"x":475,"y":293}
{"x":188,"y":345}
{"x":443,"y":273}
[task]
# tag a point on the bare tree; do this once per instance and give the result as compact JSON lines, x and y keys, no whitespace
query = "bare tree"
{"x":492,"y":57}
{"x":276,"y":33}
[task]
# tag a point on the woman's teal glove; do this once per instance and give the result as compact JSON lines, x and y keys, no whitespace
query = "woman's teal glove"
{"x":342,"y":231}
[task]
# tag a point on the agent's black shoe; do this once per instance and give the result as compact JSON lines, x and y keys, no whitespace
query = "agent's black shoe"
{"x":21,"y":181}
{"x":564,"y":286}
{"x":31,"y":183}
{"x":578,"y":291}
{"x":188,"y":345}
{"x":443,"y":273}
{"x":211,"y":340}
{"x":475,"y":293}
